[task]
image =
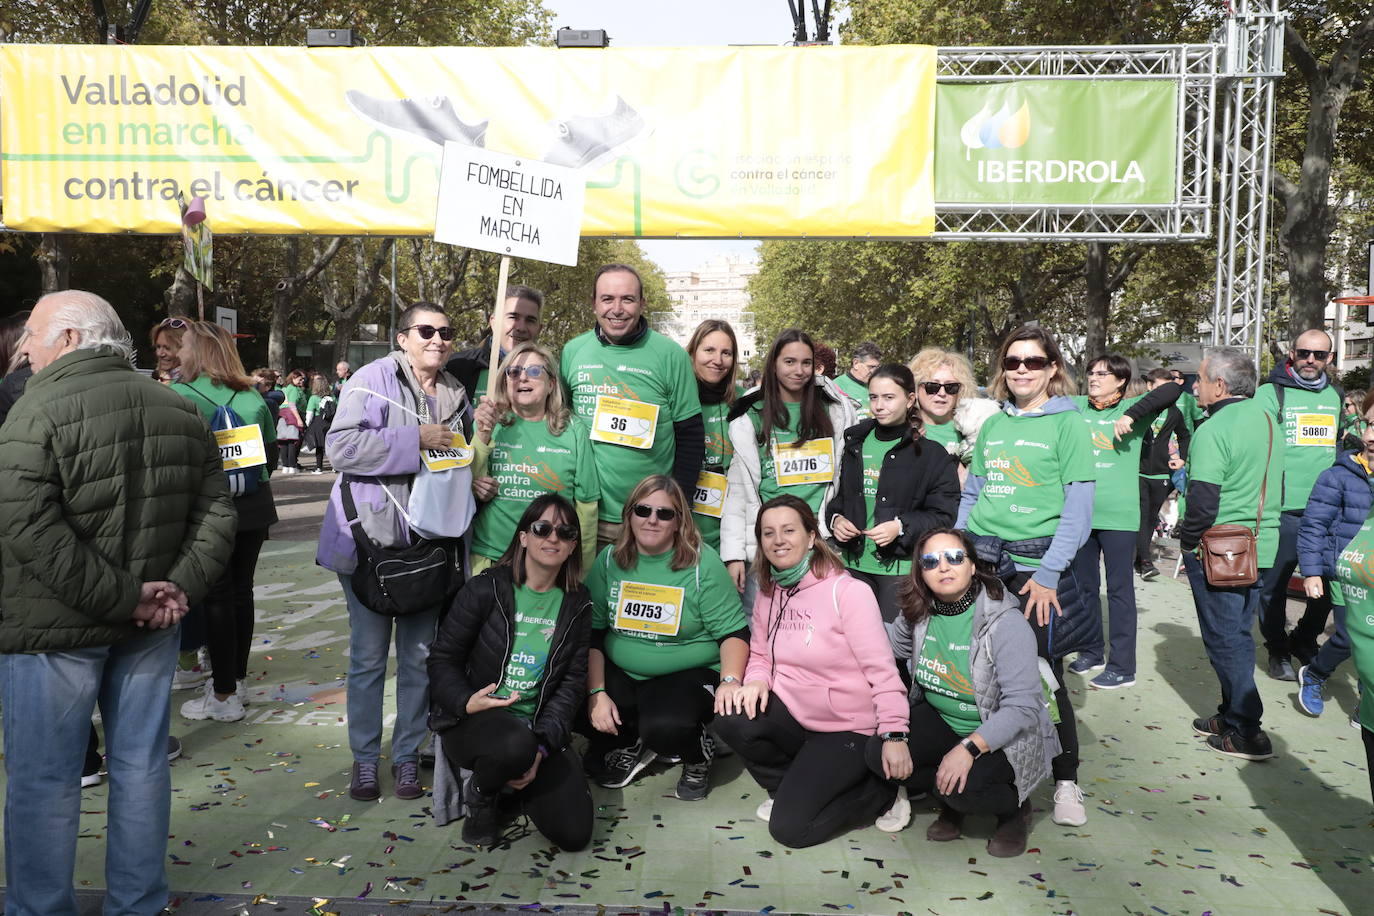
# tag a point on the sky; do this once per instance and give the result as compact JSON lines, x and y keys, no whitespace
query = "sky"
{"x":674,"y":23}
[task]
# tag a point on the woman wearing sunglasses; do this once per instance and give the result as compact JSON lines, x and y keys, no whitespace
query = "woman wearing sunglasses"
{"x":1028,"y":501}
{"x":894,"y":485}
{"x":1111,"y":420}
{"x":528,"y":444}
{"x":821,"y":681}
{"x":951,"y":411}
{"x":981,"y":738}
{"x":401,"y":428}
{"x":166,"y":339}
{"x":713,"y":351}
{"x":507,"y":675}
{"x":667,"y":630}
{"x":787,"y":437}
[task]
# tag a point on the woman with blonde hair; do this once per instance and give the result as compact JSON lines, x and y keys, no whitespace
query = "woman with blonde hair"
{"x":529,"y":444}
{"x":212,"y":376}
{"x":165,"y":337}
{"x":951,"y":411}
{"x":667,"y":631}
{"x":715,"y":362}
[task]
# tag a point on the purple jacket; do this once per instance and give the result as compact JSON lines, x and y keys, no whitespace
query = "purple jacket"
{"x":375,"y":440}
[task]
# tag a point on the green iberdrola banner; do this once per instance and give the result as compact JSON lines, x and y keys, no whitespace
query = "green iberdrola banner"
{"x":1056,"y":142}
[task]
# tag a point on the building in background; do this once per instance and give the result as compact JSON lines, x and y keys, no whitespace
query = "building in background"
{"x":717,"y":289}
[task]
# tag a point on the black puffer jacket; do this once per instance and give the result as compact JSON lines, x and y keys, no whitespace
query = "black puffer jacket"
{"x":918,"y":484}
{"x":474,"y":644}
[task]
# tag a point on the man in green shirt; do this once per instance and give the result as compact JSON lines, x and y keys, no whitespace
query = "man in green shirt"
{"x":636,"y":390}
{"x":1230,"y":464}
{"x":1309,"y":412}
{"x":854,"y":383}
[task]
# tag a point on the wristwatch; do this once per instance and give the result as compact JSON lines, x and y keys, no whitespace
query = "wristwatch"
{"x":729,"y":679}
{"x":972,"y":747}
{"x":894,"y":736}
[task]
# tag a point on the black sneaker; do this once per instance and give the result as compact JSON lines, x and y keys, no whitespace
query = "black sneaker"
{"x":173,"y":748}
{"x":695,"y":781}
{"x":1212,"y":725}
{"x":1281,"y":669}
{"x":1148,"y":572}
{"x":482,"y":825}
{"x":622,"y":765}
{"x":1233,"y":744}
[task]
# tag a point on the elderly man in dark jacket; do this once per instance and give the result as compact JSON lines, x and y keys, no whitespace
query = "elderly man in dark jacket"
{"x":114,"y":513}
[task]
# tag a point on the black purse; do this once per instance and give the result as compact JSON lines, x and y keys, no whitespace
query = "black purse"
{"x":399,"y":581}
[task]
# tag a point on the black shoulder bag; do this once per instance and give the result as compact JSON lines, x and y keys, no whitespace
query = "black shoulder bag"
{"x":398,"y":581}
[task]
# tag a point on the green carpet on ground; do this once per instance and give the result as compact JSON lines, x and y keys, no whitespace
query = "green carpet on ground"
{"x":260,"y":811}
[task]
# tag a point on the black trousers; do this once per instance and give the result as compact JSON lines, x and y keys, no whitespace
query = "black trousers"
{"x":670,"y":712}
{"x":885,"y":590}
{"x":229,"y":612}
{"x":820,"y":781}
{"x":290,"y":451}
{"x":498,"y":747}
{"x":1368,"y":737}
{"x":990,"y":787}
{"x":1153,"y":493}
{"x":1065,"y":766}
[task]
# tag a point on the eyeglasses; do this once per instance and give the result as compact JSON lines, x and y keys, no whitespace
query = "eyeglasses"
{"x":1096,"y":374}
{"x":544,"y":528}
{"x":934,"y":388}
{"x":528,"y":371}
{"x":1315,"y":354}
{"x":426,"y":331}
{"x":664,"y":513}
{"x":952,"y":557}
{"x":1033,"y":363}
{"x":179,"y":324}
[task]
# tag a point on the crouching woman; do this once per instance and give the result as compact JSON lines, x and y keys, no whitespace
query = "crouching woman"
{"x":981,"y":735}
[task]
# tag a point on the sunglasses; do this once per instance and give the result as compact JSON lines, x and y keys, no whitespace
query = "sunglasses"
{"x":528,"y":371}
{"x":952,"y":557}
{"x":1033,"y":363}
{"x":1315,"y":354}
{"x":664,"y":513}
{"x":426,"y":331}
{"x":176,"y":323}
{"x":543,"y":528}
{"x":933,"y":388}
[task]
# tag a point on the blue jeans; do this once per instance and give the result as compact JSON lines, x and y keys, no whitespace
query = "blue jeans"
{"x":49,"y":698}
{"x":1336,"y":649}
{"x":369,"y":645}
{"x":1278,"y":640}
{"x":1226,"y":617}
{"x":1117,"y":550}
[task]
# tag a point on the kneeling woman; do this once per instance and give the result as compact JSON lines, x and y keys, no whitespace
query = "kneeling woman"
{"x":820,"y":682}
{"x":507,"y":674}
{"x":981,"y":736}
{"x":667,"y":629}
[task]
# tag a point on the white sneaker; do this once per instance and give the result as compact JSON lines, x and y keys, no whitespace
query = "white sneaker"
{"x":1068,"y":804}
{"x":241,"y":690}
{"x":206,"y":706}
{"x":91,"y":779}
{"x":765,"y":810}
{"x":895,"y":819}
{"x":186,"y":678}
{"x":317,"y":471}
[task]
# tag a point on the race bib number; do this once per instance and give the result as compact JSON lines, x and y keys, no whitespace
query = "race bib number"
{"x":241,"y":447}
{"x":620,"y":421}
{"x":645,"y":608}
{"x":1317,"y":429}
{"x":458,"y":455}
{"x":710,"y":495}
{"x":809,"y":462}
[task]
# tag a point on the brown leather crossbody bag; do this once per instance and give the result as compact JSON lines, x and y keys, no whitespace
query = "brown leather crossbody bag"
{"x":1230,"y":553}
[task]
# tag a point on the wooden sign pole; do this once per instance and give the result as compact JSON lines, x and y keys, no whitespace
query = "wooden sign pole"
{"x":498,"y":328}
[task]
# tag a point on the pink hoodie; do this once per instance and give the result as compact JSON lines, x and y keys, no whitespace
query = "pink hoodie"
{"x":824,"y":652}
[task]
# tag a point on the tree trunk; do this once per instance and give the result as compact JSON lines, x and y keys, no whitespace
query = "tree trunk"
{"x":54,"y":263}
{"x":180,"y":297}
{"x":366,"y":282}
{"x":1099,"y":300}
{"x":289,"y":289}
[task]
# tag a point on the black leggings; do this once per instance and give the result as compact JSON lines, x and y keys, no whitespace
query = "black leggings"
{"x":885,"y":590}
{"x":290,"y":450}
{"x":820,"y":783}
{"x":1153,"y":494}
{"x":498,"y":747}
{"x":989,"y":788}
{"x":229,"y":613}
{"x":670,"y":712}
{"x":1065,"y":766}
{"x":1368,"y":737}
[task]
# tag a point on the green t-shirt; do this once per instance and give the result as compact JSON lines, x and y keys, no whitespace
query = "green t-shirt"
{"x":295,"y":396}
{"x":1026,"y":463}
{"x":1354,"y":587}
{"x":671,"y":620}
{"x":536,"y":615}
{"x":857,"y":392}
{"x":719,"y":451}
{"x":1116,"y":462}
{"x":874,"y":454}
{"x":1311,"y":431}
{"x":652,"y":370}
{"x":249,"y":405}
{"x":813,"y":494}
{"x":527,"y":462}
{"x":944,"y":674}
{"x":1228,"y":450}
{"x":1193,"y":414}
{"x":946,"y":434}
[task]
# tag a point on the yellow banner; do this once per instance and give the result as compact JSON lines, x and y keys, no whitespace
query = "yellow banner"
{"x":689,"y":142}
